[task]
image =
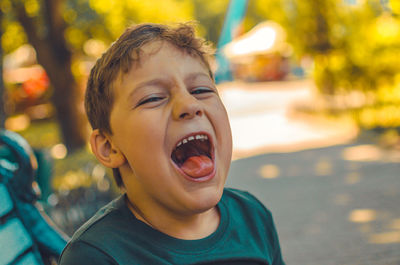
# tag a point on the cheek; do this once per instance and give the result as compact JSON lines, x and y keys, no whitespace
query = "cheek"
{"x":223,"y":120}
{"x":137,"y":136}
{"x":146,"y":127}
{"x":224,"y":130}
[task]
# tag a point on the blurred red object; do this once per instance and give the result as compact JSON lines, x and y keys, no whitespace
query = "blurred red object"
{"x":36,"y":85}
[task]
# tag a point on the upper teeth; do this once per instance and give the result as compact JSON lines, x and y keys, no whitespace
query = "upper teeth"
{"x":201,"y":137}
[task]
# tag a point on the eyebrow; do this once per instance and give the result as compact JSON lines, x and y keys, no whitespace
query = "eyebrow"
{"x":152,"y":82}
{"x":142,"y":85}
{"x":196,"y":75}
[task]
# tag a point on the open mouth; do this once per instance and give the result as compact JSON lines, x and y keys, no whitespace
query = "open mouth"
{"x":194,"y":155}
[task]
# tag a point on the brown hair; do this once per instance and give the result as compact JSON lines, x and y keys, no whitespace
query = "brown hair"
{"x":119,"y":58}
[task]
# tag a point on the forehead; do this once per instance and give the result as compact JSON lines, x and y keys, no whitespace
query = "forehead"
{"x":159,"y":56}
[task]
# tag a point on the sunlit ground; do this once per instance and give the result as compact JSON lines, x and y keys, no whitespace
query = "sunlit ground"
{"x":332,"y":205}
{"x":261,"y":118}
{"x":333,"y":193}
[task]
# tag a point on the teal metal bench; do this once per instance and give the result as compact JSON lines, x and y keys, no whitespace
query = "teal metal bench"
{"x":26,"y":236}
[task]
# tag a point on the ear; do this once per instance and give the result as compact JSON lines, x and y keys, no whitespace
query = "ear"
{"x":105,"y":150}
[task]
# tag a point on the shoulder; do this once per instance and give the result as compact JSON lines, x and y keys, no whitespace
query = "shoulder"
{"x":80,"y":252}
{"x":247,"y":212}
{"x":238,"y":198}
{"x":254,"y":220}
{"x":239,"y":194}
{"x":102,"y":217}
{"x":86,"y":243}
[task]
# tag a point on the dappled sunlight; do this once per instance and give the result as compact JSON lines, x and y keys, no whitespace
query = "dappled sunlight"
{"x":323,"y":167}
{"x":387,"y":29}
{"x":382,"y":115}
{"x":269,"y":171}
{"x":99,"y":176}
{"x":17,"y":123}
{"x":362,"y":153}
{"x":58,"y":151}
{"x":395,"y":224}
{"x":72,"y":180}
{"x":77,"y":179}
{"x":94,"y":47}
{"x":98,"y":172}
{"x":362,"y":215}
{"x":385,"y":238}
{"x":378,"y":233}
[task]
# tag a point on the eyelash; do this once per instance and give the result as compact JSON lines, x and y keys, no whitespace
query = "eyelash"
{"x":201,"y":90}
{"x":196,"y":91}
{"x":148,"y":100}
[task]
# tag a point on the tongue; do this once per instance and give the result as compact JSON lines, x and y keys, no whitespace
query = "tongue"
{"x":198,"y":166}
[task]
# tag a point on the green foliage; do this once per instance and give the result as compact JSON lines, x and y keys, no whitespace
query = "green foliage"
{"x":211,"y":15}
{"x":354,"y":46}
{"x":105,"y":20}
{"x":13,"y":36}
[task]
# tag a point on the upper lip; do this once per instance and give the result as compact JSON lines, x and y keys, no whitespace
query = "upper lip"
{"x":210,"y":139}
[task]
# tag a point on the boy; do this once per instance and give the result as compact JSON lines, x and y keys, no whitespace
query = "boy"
{"x":160,"y":125}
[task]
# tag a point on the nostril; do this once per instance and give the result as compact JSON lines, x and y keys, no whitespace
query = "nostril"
{"x":190,"y":114}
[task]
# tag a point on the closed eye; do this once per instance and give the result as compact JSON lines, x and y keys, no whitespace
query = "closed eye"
{"x":201,"y":90}
{"x":149,"y":100}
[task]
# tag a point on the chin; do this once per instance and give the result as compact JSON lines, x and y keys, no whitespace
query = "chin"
{"x":206,"y":199}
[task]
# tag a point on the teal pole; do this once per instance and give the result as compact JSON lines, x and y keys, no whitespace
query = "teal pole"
{"x":233,"y":19}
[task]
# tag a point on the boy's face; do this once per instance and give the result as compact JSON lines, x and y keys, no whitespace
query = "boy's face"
{"x":164,"y":110}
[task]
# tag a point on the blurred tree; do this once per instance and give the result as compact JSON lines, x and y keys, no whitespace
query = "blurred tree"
{"x":84,"y":17}
{"x":104,"y":21}
{"x":354,"y":44}
{"x":211,"y":15}
{"x":44,"y":27}
{"x":72,"y":33}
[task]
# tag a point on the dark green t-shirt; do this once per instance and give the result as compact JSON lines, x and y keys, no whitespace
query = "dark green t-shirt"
{"x":246,"y":235}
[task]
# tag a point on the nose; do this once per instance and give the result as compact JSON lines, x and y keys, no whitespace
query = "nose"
{"x":186,"y":106}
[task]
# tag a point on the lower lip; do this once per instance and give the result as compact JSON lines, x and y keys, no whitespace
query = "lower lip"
{"x":200,"y":179}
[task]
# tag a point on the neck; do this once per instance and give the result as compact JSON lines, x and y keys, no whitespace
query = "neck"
{"x":188,"y":227}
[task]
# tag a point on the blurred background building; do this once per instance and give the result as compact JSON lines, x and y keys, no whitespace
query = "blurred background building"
{"x":261,"y":54}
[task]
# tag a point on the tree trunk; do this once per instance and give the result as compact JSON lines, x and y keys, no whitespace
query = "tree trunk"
{"x":66,"y":99}
{"x":53,"y":54}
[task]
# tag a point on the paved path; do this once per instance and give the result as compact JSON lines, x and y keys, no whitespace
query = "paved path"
{"x":328,"y":208}
{"x":335,"y":201}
